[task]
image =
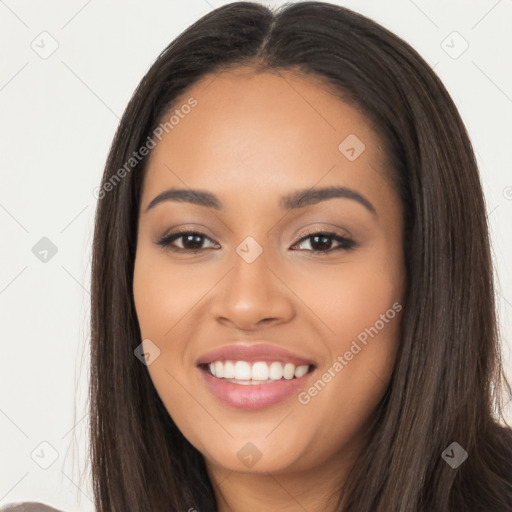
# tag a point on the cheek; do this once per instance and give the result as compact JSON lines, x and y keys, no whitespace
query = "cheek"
{"x":349,"y":298}
{"x":165,"y":293}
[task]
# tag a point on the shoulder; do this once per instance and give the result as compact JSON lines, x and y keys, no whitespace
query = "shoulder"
{"x":28,"y":506}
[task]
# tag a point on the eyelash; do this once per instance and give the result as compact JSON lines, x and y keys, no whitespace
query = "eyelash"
{"x":345,"y":243}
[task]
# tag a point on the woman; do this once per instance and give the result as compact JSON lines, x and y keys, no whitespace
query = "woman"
{"x":292,"y":296}
{"x":353,"y":365}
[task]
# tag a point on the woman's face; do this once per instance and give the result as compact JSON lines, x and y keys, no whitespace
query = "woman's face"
{"x":260,"y":299}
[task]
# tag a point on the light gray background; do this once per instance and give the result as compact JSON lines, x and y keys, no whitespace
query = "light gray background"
{"x":59,"y":115}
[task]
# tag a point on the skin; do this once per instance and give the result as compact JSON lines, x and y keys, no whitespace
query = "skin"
{"x":252,"y":138}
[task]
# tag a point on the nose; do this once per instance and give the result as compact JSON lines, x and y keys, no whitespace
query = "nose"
{"x":253,"y":295}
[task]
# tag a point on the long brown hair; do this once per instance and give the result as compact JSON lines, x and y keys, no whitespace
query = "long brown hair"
{"x":448,"y":381}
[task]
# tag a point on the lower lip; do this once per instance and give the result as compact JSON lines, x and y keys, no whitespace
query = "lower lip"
{"x":253,"y":396}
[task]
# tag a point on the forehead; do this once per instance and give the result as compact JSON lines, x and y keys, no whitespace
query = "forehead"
{"x":264,"y":131}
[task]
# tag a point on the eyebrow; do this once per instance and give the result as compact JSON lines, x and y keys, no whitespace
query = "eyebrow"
{"x":294,"y":200}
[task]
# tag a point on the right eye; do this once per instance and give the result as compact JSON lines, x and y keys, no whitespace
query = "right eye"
{"x":191,"y":241}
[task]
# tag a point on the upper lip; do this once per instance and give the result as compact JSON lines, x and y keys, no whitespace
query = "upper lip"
{"x":253,"y":352}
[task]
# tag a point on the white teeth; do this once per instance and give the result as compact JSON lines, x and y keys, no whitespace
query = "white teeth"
{"x":229,"y":370}
{"x":259,"y":371}
{"x":300,"y":371}
{"x":289,"y":371}
{"x":276,"y":371}
{"x":241,"y":372}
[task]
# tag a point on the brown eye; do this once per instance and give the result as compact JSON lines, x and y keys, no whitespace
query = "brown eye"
{"x":191,"y":241}
{"x":321,"y":242}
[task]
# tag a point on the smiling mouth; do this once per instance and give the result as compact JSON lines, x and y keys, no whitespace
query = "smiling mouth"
{"x":256,"y":373}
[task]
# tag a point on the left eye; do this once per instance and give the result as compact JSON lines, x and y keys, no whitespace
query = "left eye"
{"x":323,"y":242}
{"x":320,"y":242}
